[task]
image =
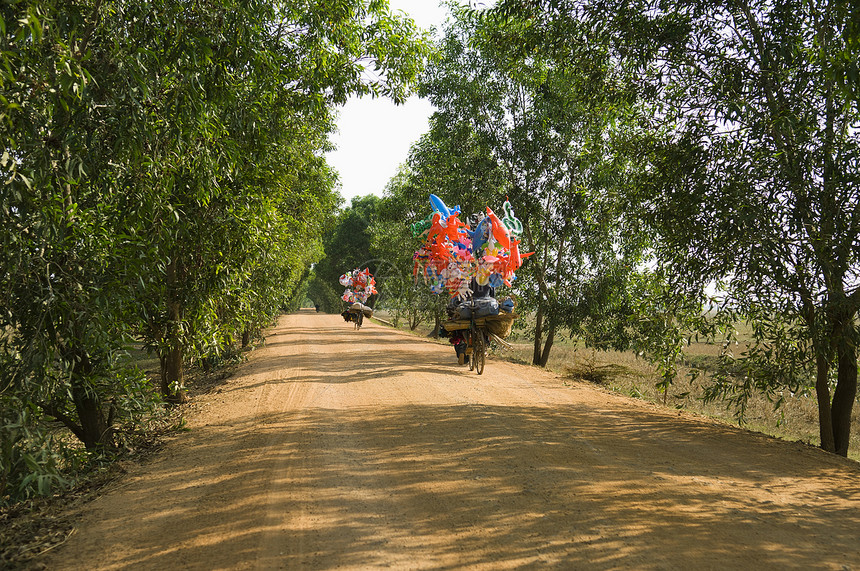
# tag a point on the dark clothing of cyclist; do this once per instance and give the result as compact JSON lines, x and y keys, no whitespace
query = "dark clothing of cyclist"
{"x":479,"y":291}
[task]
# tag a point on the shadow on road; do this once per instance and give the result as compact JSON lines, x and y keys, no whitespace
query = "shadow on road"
{"x":501,"y":487}
{"x":594,"y":483}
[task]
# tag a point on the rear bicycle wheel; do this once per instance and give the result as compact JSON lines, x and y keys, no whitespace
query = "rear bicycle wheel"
{"x":479,"y":351}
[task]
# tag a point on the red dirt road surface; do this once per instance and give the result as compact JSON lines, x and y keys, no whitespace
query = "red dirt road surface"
{"x":341,"y":449}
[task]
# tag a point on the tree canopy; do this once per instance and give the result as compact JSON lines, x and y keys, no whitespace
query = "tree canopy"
{"x":163,"y":184}
{"x":657,"y":154}
{"x":346,"y":246}
{"x":520,"y":124}
{"x":747,"y":146}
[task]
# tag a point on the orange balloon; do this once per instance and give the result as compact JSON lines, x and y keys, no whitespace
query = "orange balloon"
{"x":500,"y":231}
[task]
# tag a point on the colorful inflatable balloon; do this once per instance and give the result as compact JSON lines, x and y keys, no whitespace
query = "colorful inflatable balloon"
{"x":513,"y":224}
{"x":480,"y":234}
{"x":500,"y":232}
{"x":420,"y":228}
{"x":440,"y":207}
{"x":361,"y":283}
{"x":452,"y":254}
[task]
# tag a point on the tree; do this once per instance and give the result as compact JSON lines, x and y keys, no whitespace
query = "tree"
{"x":543,"y":123}
{"x":163,"y":179}
{"x":347,"y":247}
{"x":293,"y":66}
{"x":752,"y":146}
{"x":393,"y":244}
{"x":771,"y":147}
{"x":64,"y":234}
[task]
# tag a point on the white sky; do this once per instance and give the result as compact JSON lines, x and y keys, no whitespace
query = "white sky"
{"x":374,"y":135}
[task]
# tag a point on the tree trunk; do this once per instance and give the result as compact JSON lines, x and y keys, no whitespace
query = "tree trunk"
{"x":437,"y":324}
{"x":536,"y":356}
{"x":171,"y":362}
{"x":844,"y":332}
{"x":846,"y":390}
{"x":95,"y":432}
{"x":550,"y":337}
{"x":246,"y":338}
{"x":822,"y":393}
{"x":94,"y":429}
{"x":172,"y":375}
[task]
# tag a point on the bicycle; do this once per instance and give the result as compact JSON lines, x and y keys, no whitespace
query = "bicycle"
{"x":354,"y":315}
{"x":478,"y":332}
{"x":479,"y":339}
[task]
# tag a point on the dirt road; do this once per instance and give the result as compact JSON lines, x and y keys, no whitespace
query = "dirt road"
{"x":341,"y":449}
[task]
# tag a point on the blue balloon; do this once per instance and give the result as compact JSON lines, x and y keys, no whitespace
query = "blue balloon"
{"x":479,"y":234}
{"x":439,"y":206}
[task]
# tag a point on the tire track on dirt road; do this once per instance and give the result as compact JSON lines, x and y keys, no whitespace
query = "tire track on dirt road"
{"x":336,"y":448}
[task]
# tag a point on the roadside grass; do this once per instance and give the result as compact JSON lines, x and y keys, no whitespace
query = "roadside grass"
{"x":795,"y":420}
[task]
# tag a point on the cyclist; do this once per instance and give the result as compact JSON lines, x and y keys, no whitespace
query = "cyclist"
{"x":456,"y":337}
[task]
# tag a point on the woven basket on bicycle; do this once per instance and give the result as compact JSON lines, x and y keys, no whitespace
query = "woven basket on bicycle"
{"x":500,"y":325}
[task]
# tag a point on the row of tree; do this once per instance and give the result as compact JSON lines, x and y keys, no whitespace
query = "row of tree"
{"x":658,"y":153}
{"x":163,"y":183}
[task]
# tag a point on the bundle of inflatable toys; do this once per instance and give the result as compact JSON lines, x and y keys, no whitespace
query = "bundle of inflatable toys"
{"x":453,"y":253}
{"x":359,"y":285}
